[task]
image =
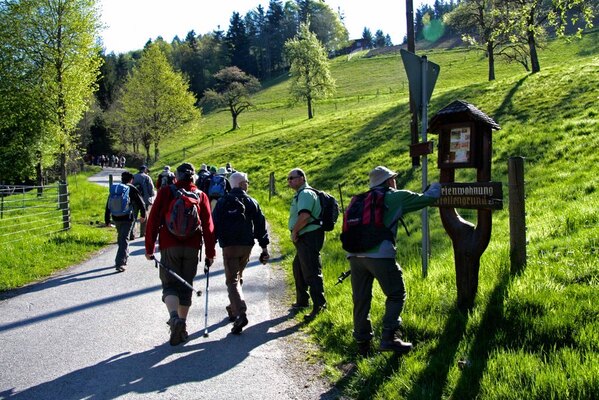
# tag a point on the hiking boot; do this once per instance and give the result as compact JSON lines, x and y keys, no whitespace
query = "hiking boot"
{"x":120,"y":268}
{"x":315,"y":311}
{"x":230,"y":314}
{"x":390,"y":341}
{"x":239,"y":323}
{"x":364,"y":349}
{"x":178,"y":327}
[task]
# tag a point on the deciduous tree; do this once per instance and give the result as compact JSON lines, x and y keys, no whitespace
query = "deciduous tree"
{"x":233,"y":90}
{"x":310,"y":72}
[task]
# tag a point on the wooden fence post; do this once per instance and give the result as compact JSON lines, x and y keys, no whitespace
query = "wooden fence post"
{"x":517,"y":214}
{"x":63,"y":190}
{"x":271,"y":186}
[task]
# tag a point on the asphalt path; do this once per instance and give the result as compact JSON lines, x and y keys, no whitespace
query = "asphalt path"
{"x":90,"y":332}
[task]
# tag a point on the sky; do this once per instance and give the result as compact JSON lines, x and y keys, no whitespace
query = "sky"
{"x":130,"y":23}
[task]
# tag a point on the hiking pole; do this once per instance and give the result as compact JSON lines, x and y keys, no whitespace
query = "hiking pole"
{"x":343,"y":276}
{"x":173,"y":273}
{"x":207,"y":272}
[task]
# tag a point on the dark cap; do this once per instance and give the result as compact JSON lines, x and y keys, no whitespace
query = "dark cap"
{"x":185,"y":171}
{"x":143,"y":168}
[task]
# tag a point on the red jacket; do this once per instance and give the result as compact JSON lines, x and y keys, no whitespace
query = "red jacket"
{"x":156,"y":227}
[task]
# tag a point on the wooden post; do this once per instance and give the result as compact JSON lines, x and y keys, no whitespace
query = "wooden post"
{"x":271,"y":186}
{"x":63,"y":190}
{"x":517,"y":214}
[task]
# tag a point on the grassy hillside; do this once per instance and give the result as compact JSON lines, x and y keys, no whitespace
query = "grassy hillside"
{"x":533,"y":335}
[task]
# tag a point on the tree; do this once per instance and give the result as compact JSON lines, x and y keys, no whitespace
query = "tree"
{"x":530,"y":17}
{"x":310,"y":72}
{"x":233,"y":90}
{"x":155,"y":100}
{"x":55,"y":43}
{"x":481,"y":24}
{"x":367,"y":38}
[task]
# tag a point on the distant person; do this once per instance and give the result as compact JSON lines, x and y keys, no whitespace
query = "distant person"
{"x":308,"y":239}
{"x":180,"y":251}
{"x":379,"y":262}
{"x":122,"y":162}
{"x":144,"y":184}
{"x":121,"y":200}
{"x":203,"y":179}
{"x":238,"y":221}
{"x":165,"y":178}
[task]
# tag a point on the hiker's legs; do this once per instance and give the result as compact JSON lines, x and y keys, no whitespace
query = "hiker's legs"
{"x":390,"y":278}
{"x":235,"y":258}
{"x":308,"y":248}
{"x":123,"y":228}
{"x":184,"y":262}
{"x":361,"y":283}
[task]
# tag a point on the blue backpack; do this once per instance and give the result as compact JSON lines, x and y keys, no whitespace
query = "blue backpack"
{"x":218,"y":186}
{"x":119,"y":201}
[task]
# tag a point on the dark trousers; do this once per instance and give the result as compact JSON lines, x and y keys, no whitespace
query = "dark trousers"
{"x":307,"y":268}
{"x":390,"y":278}
{"x":184,"y":262}
{"x":123,"y":228}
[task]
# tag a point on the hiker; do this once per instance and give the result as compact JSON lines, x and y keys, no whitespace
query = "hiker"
{"x":122,"y":162}
{"x":166,"y":177}
{"x":379,"y":263}
{"x":180,"y":252}
{"x":308,"y":239}
{"x":203,"y":179}
{"x":144,"y":184}
{"x":238,"y":220}
{"x":219,"y":186}
{"x":120,"y":205}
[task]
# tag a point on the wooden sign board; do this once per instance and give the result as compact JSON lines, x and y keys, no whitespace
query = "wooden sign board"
{"x":421,"y":149}
{"x":477,"y":195}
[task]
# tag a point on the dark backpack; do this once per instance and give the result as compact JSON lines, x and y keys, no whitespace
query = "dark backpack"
{"x":183,"y":215}
{"x":329,"y":210}
{"x":218,"y":187}
{"x":230,"y":219}
{"x":363,"y":224}
{"x":203,"y":177}
{"x":167,"y":179}
{"x":119,"y":200}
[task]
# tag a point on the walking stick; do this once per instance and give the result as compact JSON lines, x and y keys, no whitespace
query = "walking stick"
{"x":343,"y":276}
{"x":173,"y":273}
{"x":207,"y":272}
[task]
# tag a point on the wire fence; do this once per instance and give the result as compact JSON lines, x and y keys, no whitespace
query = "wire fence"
{"x":27,"y":211}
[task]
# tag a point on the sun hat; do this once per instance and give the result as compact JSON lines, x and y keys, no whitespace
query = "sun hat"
{"x":379,"y":175}
{"x":221,"y":171}
{"x":237,"y":178}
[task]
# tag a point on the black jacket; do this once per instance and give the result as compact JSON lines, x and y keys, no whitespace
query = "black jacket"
{"x":244,"y":232}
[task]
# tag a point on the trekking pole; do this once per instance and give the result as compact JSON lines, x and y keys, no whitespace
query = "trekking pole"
{"x":343,"y":276}
{"x":341,"y":200}
{"x":173,"y":273}
{"x":207,"y":272}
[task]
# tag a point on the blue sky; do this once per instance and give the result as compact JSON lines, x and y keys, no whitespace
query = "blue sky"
{"x":130,"y":23}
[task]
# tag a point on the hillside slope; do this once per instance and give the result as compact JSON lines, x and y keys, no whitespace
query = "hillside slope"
{"x":531,"y":335}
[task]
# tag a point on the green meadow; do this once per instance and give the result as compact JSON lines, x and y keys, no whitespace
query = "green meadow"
{"x":531,"y":335}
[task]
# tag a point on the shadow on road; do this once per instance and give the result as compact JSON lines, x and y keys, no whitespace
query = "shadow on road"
{"x":150,"y":372}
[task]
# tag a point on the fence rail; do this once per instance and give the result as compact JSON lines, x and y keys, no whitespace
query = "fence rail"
{"x":33,"y":210}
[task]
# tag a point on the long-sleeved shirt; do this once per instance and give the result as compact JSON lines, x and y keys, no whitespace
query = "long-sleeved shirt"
{"x":156,"y":228}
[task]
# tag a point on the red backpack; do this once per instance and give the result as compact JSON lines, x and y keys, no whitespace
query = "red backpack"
{"x":183,"y":216}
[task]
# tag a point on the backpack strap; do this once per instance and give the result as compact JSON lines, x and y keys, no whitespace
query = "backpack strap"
{"x":398,"y":217}
{"x":316,"y":221}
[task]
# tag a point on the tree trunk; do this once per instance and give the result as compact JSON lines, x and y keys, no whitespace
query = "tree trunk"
{"x":310,"y":116}
{"x":532,"y":47}
{"x":491,"y":55}
{"x":156,"y":151}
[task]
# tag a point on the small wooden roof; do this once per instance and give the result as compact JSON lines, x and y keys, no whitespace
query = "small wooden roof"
{"x":459,"y":111}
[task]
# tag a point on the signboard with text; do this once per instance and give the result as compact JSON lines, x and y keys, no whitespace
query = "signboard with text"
{"x":485,"y":195}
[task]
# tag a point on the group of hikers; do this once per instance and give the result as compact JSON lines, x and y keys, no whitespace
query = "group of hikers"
{"x":187,"y":213}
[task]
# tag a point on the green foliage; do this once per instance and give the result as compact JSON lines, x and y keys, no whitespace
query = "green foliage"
{"x":310,"y":74}
{"x":155,"y":100}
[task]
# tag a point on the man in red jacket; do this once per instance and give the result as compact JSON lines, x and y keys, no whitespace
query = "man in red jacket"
{"x":181,"y":254}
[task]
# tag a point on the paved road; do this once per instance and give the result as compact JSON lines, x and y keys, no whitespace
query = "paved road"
{"x":89,"y":332}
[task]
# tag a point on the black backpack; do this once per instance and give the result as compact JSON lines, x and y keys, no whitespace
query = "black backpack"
{"x":329,"y":210}
{"x":363,"y":223}
{"x":231,"y":219}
